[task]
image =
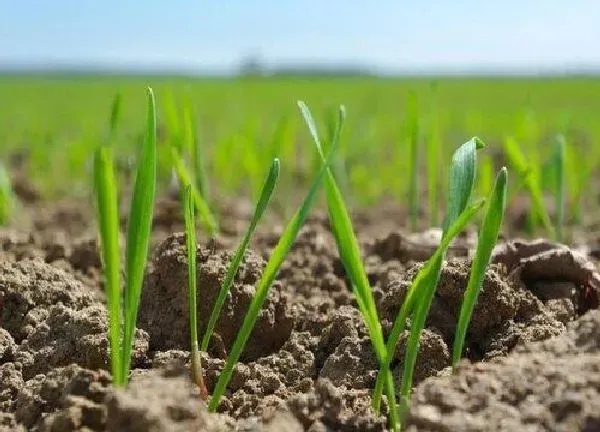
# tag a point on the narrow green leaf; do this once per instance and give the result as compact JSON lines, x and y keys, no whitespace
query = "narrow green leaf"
{"x":423,"y":303}
{"x":428,"y":274}
{"x":530,"y":180}
{"x":261,"y":205}
{"x":190,"y":139}
{"x":277,"y":257}
{"x":115,"y":115}
{"x":413,"y":140}
{"x":207,"y":218}
{"x":560,"y":188}
{"x":462,"y":179}
{"x":350,"y":255}
{"x":433,"y":156}
{"x":138,"y":231}
{"x":105,"y":189}
{"x":487,"y":240}
{"x":7,"y":198}
{"x":191,"y":245}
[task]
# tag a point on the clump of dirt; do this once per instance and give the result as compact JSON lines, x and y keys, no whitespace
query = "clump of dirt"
{"x":326,"y":407}
{"x":552,"y":271}
{"x":155,"y":402}
{"x":551,"y":385}
{"x":49,"y":320}
{"x":64,"y":399}
{"x":164,"y":302}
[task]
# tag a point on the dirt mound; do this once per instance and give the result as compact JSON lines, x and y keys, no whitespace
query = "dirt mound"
{"x":551,"y":385}
{"x":50,"y":320}
{"x":164,"y":304}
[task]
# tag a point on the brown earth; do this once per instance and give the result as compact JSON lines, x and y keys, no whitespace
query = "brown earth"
{"x":532,"y":355}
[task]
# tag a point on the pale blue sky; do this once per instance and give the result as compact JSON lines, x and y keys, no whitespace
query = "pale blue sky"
{"x":448,"y":35}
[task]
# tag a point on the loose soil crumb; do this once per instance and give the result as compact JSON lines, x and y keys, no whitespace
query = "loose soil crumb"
{"x":552,"y":385}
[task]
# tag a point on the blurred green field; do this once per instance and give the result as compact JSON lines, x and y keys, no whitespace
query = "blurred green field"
{"x":244,"y":122}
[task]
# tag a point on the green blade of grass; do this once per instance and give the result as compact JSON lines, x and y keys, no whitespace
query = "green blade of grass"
{"x":559,"y":186}
{"x":191,"y":246}
{"x":487,"y":240}
{"x":265,"y":197}
{"x":350,"y":255}
{"x":433,"y":154}
{"x":208,"y":220}
{"x":530,"y":180}
{"x":7,"y":201}
{"x":422,"y":305}
{"x":462,"y":179}
{"x":190,"y":137}
{"x":138,"y":231}
{"x":115,"y":115}
{"x":413,"y":139}
{"x":278,"y":255}
{"x":105,"y":188}
{"x":425,"y":277}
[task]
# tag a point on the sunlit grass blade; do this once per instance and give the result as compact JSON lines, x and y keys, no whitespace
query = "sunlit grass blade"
{"x":105,"y":189}
{"x":208,"y":220}
{"x":427,"y":276}
{"x":422,"y":305}
{"x":138,"y":230}
{"x":190,"y":138}
{"x":559,"y":187}
{"x":460,"y":187}
{"x":461,"y":179}
{"x":115,"y":115}
{"x":412,"y":113}
{"x":487,"y":240}
{"x":433,"y":156}
{"x":261,"y":205}
{"x":191,"y":245}
{"x":7,"y":199}
{"x":262,"y":289}
{"x":529,"y":178}
{"x":350,"y":255}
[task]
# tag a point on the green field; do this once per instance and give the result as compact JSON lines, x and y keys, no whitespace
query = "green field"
{"x":244,"y":122}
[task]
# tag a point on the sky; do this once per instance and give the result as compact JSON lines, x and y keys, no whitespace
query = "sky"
{"x":383,"y":35}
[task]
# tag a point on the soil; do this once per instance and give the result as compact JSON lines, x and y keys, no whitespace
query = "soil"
{"x":532,"y":354}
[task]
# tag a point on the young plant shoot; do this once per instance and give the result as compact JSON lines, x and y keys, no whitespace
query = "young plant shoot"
{"x":262,"y":289}
{"x":461,"y":182}
{"x":350,"y":255}
{"x":210,"y":223}
{"x":7,"y":201}
{"x":559,"y":186}
{"x":528,"y":176}
{"x":138,"y":239}
{"x":261,"y":205}
{"x":487,"y":240}
{"x":412,"y":114}
{"x":191,"y":245}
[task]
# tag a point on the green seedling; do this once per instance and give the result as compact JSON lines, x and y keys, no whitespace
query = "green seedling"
{"x":559,"y":186}
{"x":528,"y":176}
{"x":138,"y":238}
{"x":433,"y":157}
{"x":7,"y":200}
{"x":185,"y":178}
{"x":115,"y":116}
{"x":191,"y":245}
{"x":487,"y":240}
{"x":262,"y":289}
{"x":190,"y":139}
{"x":350,"y":255}
{"x":261,"y":205}
{"x":413,"y":140}
{"x":461,"y":182}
